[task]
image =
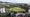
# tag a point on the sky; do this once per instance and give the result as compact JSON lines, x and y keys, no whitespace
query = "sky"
{"x":17,"y":1}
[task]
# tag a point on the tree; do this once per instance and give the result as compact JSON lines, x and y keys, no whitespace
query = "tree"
{"x":10,"y":6}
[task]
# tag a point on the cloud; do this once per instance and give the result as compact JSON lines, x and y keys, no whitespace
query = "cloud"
{"x":12,"y":0}
{"x":17,"y":1}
